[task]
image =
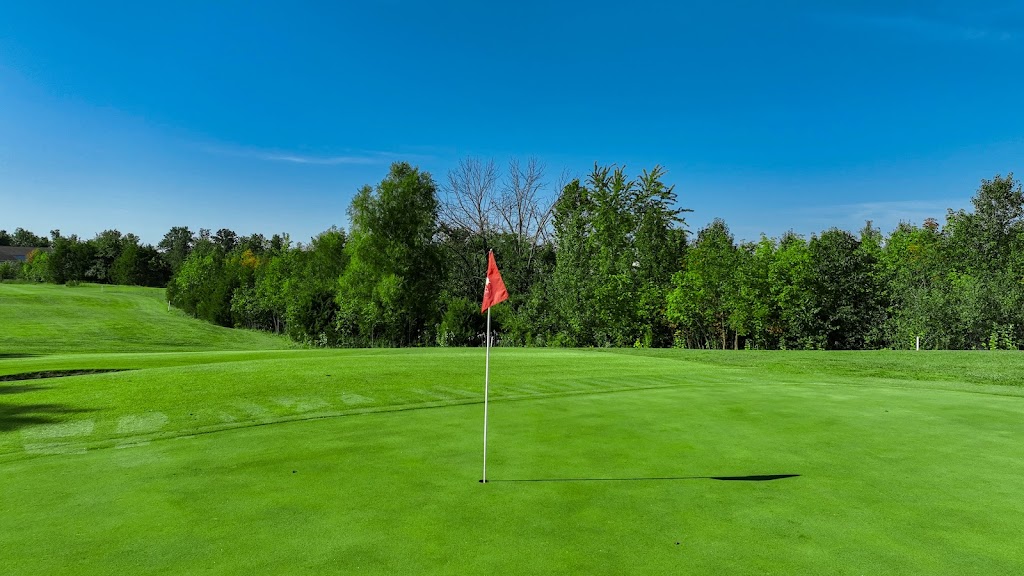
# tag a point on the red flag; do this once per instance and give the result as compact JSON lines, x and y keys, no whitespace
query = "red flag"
{"x":494,"y":289}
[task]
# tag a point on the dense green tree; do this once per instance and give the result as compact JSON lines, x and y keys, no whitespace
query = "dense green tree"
{"x":659,"y":243}
{"x":844,"y":296}
{"x":312,"y":306}
{"x":26,"y":239}
{"x":999,"y":211}
{"x":37,"y":267}
{"x":203,"y":285}
{"x":139,"y":264}
{"x":176,"y":245}
{"x":612,"y":269}
{"x":617,"y":243}
{"x":791,"y":277}
{"x":69,"y":259}
{"x":573,"y":279}
{"x":225,"y":240}
{"x":917,"y":280}
{"x":754,"y":317}
{"x":705,"y":297}
{"x":106,"y":247}
{"x":388,"y":293}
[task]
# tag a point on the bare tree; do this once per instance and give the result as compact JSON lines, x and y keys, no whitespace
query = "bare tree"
{"x":469,"y":202}
{"x":523,"y":212}
{"x":481,"y":211}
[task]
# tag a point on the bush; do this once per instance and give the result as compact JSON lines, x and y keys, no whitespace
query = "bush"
{"x":462,"y":324}
{"x":9,"y":270}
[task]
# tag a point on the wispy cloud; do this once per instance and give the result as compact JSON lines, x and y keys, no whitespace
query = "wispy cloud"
{"x":321,"y":160}
{"x":885,"y":215}
{"x":359,"y":157}
{"x":942,"y":29}
{"x":999,"y":23}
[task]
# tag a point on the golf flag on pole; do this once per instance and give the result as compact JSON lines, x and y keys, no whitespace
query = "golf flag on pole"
{"x":494,"y":288}
{"x":494,"y":292}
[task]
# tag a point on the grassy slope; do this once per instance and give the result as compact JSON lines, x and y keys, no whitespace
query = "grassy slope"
{"x":47,"y":318}
{"x":366,"y":461}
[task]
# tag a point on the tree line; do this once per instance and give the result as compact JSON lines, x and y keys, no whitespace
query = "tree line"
{"x":606,"y":261}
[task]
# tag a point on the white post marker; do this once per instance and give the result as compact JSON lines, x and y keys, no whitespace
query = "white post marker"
{"x":917,"y":345}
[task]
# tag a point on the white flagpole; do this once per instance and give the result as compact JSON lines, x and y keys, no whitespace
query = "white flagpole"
{"x":487,"y":382}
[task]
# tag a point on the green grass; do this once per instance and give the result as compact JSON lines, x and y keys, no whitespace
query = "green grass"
{"x":48,"y":318}
{"x":601,"y":461}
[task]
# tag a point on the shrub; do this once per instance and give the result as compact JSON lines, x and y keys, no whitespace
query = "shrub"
{"x":9,"y":270}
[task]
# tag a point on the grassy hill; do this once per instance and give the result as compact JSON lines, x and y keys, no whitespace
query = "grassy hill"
{"x":600,"y":461}
{"x":47,"y":319}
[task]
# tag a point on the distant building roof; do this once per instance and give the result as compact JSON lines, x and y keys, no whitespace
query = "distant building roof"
{"x":16,"y":253}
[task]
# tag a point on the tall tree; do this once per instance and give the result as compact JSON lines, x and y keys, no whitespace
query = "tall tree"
{"x":26,"y":239}
{"x":389,"y":289}
{"x":791,"y":277}
{"x":176,"y":245}
{"x":69,"y":259}
{"x":107,"y":246}
{"x":845,"y":292}
{"x":616,"y":243}
{"x":705,"y":295}
{"x":225,"y":239}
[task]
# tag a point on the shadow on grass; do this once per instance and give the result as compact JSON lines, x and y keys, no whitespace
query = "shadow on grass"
{"x":57,"y":374}
{"x":753,"y":478}
{"x":20,"y":388}
{"x":11,"y":355}
{"x":15,"y":417}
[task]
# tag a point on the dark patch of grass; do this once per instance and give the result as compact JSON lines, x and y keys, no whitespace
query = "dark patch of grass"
{"x":54,"y":374}
{"x":21,"y":388}
{"x":24,"y":415}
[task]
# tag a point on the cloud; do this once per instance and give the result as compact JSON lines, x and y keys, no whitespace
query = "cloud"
{"x":941,"y":21}
{"x":942,"y":29}
{"x":359,"y":157}
{"x":885,"y":215}
{"x":321,"y":160}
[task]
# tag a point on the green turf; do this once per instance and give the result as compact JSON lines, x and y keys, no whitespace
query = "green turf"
{"x":601,"y":461}
{"x":49,"y":318}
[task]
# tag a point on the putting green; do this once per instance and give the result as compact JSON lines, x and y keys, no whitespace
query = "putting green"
{"x":601,"y":463}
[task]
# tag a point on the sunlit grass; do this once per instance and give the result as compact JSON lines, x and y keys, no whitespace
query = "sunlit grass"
{"x":600,"y":461}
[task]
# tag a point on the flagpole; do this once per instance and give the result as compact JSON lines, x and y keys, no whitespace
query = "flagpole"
{"x":487,"y":383}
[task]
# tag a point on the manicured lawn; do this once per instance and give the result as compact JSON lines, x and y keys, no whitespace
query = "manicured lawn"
{"x":601,"y":462}
{"x":48,"y":319}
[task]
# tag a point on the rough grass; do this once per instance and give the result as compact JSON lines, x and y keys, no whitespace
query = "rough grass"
{"x":601,"y":462}
{"x":48,"y":318}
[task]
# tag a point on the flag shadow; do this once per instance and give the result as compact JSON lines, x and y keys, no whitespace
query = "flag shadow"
{"x":751,"y":478}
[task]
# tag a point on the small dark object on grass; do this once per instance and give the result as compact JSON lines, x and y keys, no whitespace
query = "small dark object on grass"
{"x":293,"y":471}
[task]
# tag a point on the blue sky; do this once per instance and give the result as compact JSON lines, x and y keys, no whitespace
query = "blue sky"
{"x":268,"y":117}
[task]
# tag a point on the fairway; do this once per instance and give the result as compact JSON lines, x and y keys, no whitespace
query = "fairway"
{"x":47,"y":319}
{"x":367,"y":461}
